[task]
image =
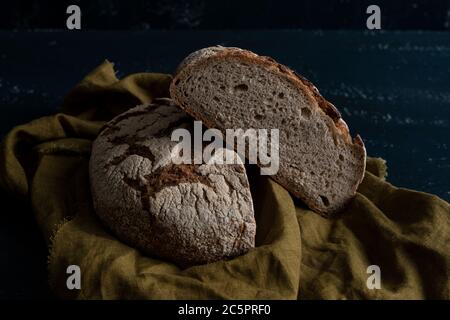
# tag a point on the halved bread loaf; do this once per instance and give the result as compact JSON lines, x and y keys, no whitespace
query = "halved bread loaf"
{"x":230,"y":88}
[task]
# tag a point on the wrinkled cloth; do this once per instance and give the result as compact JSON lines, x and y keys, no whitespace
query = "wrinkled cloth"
{"x":298,"y":254}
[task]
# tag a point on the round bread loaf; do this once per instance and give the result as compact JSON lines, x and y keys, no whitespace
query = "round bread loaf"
{"x":186,"y":213}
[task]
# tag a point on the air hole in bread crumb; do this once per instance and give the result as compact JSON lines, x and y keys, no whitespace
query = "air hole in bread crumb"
{"x":341,"y":157}
{"x":216,"y":99}
{"x":281,"y":95}
{"x":325,"y":201}
{"x":177,"y":82}
{"x":259,"y":116}
{"x":241,"y":87}
{"x":305,"y":112}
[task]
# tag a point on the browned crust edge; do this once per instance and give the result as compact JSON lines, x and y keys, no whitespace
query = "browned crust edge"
{"x":310,"y":91}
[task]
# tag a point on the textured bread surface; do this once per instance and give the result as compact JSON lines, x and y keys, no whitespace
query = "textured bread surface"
{"x":188,"y":213}
{"x":231,"y":88}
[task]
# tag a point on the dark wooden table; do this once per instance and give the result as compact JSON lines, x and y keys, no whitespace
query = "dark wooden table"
{"x":393,"y":88}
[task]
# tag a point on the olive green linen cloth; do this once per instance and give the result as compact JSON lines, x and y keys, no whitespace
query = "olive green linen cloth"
{"x":299,"y":255}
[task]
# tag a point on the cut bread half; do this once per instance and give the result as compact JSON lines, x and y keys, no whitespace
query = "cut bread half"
{"x":231,"y":88}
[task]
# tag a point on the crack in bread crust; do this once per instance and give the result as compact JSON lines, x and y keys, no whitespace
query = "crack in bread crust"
{"x":173,"y":175}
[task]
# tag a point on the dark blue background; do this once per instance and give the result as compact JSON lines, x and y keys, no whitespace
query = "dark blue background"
{"x":226,"y":14}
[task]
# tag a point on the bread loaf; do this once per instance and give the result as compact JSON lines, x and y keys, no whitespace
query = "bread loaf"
{"x":231,"y":88}
{"x":188,"y":213}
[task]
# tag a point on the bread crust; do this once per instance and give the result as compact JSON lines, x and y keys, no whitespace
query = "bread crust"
{"x":338,"y":129}
{"x":186,"y":213}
